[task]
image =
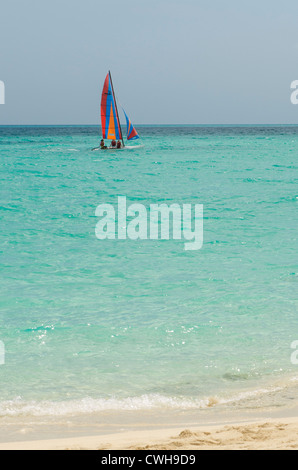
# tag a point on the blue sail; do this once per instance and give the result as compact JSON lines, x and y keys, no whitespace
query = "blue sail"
{"x":131,"y":131}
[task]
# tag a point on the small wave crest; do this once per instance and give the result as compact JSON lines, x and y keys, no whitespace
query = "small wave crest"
{"x":92,"y":405}
{"x":19,"y":407}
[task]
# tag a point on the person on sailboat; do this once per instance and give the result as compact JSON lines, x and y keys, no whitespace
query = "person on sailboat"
{"x":119,"y":145}
{"x":102,"y":144}
{"x":113,"y":144}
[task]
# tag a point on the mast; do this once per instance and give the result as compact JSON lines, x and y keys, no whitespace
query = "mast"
{"x":116,"y":110}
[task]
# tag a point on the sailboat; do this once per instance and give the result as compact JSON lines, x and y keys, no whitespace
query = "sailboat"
{"x":110,"y":122}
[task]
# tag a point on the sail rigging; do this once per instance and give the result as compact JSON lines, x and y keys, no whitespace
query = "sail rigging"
{"x":131,"y":131}
{"x":110,"y":122}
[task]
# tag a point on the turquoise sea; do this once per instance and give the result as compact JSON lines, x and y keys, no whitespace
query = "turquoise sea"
{"x":92,"y":326}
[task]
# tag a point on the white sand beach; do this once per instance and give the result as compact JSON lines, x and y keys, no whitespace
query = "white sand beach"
{"x":271,"y":434}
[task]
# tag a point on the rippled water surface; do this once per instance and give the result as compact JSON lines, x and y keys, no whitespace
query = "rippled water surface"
{"x":93,"y":324}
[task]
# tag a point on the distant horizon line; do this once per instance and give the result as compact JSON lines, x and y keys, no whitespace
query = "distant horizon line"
{"x":153,"y":125}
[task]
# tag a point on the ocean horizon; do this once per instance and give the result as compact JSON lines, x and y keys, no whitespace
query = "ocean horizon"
{"x":158,"y":125}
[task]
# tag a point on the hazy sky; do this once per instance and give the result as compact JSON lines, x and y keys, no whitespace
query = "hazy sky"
{"x":188,"y":62}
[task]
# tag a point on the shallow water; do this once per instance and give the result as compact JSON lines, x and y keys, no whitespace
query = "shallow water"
{"x":100,"y":325}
